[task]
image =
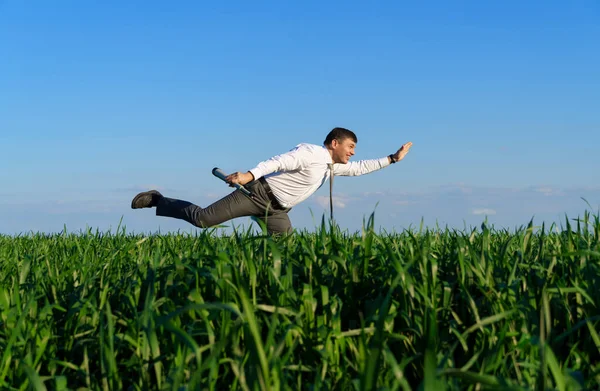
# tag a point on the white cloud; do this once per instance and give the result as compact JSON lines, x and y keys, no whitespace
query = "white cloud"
{"x":547,"y":191}
{"x":483,"y":211}
{"x":464,"y":188}
{"x":324,"y":202}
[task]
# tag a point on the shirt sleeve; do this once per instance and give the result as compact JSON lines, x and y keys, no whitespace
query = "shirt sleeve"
{"x":360,"y":167}
{"x":295,"y":159}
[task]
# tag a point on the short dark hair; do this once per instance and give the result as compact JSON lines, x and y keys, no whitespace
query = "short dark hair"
{"x":340,"y":134}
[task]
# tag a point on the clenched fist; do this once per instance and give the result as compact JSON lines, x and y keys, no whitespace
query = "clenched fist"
{"x":239,"y":178}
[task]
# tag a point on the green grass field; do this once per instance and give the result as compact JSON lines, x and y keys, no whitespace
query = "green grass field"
{"x":425,"y":309}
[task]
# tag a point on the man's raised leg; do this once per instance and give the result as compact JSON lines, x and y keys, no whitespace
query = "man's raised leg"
{"x":236,"y":204}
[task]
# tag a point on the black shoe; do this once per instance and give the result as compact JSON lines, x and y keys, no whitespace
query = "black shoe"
{"x":146,"y":199}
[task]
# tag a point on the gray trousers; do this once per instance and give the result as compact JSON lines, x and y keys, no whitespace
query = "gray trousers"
{"x":236,"y":204}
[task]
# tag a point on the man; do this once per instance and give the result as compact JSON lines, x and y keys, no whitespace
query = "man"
{"x":277,"y":184}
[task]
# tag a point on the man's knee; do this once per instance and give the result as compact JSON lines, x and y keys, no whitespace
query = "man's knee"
{"x":201,"y":219}
{"x":279,"y":225}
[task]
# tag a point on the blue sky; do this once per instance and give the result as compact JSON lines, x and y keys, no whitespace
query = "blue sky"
{"x":100,"y":100}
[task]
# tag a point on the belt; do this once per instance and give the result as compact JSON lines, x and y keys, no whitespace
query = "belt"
{"x":270,"y":194}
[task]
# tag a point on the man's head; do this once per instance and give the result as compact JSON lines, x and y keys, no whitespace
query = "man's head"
{"x":341,"y":142}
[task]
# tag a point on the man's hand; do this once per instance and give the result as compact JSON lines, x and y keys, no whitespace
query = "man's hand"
{"x":239,"y":178}
{"x":399,"y":155}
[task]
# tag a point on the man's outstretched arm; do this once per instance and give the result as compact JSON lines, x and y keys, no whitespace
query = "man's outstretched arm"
{"x":362,"y":167}
{"x":289,"y":161}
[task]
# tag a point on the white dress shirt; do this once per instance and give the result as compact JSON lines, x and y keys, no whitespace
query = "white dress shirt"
{"x":295,"y":175}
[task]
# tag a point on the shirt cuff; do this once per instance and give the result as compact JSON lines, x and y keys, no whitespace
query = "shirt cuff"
{"x":257,"y":173}
{"x":384,"y":161}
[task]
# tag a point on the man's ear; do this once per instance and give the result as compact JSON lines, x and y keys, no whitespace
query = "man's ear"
{"x":334,"y":143}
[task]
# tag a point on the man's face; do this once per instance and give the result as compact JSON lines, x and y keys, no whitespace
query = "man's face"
{"x":342,"y":150}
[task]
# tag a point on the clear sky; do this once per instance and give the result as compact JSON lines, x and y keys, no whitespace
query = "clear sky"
{"x":101,"y":100}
